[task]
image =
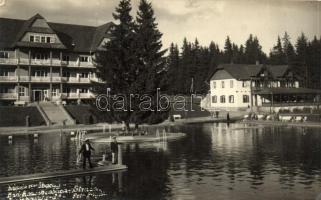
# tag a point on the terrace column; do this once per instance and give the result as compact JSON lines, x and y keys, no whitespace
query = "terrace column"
{"x":30,"y":92}
{"x":29,"y":73}
{"x":50,"y":91}
{"x":18,"y":73}
{"x":29,"y":57}
{"x":50,"y":57}
{"x":50,"y":85}
{"x":60,"y":56}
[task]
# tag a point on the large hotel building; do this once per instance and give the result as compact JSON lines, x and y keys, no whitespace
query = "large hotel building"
{"x":45,"y":61}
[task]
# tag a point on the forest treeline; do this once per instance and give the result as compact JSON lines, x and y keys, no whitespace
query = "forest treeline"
{"x":189,"y":66}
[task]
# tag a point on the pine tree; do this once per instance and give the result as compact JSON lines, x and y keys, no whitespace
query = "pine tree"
{"x":117,"y":62}
{"x":277,"y":56}
{"x":132,"y":61}
{"x":288,"y":49}
{"x":314,"y":63}
{"x":228,"y":51}
{"x":151,"y":63}
{"x":173,"y":80}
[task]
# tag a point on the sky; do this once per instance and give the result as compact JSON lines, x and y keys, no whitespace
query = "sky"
{"x":206,"y":20}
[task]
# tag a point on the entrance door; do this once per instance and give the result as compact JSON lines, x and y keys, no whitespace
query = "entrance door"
{"x":37,"y":95}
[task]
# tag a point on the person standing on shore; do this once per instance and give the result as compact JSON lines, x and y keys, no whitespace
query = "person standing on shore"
{"x":86,"y":149}
{"x":114,"y":150}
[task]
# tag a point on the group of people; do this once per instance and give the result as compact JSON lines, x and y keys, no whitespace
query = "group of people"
{"x":86,"y":149}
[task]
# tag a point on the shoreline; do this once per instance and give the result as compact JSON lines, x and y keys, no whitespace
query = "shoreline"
{"x":280,"y":123}
{"x":100,"y":126}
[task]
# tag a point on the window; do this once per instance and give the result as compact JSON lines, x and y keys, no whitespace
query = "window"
{"x":31,"y":38}
{"x":54,"y":92}
{"x":37,"y":38}
{"x":231,"y":83}
{"x":4,"y":90}
{"x":214,"y":84}
{"x":222,"y":99}
{"x":43,"y":39}
{"x":41,"y":73}
{"x":66,"y":90}
{"x":66,"y":74}
{"x":48,"y":39}
{"x":84,"y":58}
{"x":83,"y":75}
{"x":222,"y":83}
{"x":65,"y":58}
{"x":244,"y":84}
{"x":4,"y":72}
{"x":246,"y":99}
{"x":4,"y":54}
{"x":83,"y":90}
{"x":214,"y":99}
{"x":22,"y":91}
{"x":40,"y":56}
{"x":231,"y":99}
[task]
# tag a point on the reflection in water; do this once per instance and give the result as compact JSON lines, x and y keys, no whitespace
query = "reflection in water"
{"x":218,"y":161}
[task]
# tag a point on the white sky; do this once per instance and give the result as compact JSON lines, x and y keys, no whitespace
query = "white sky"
{"x":205,"y":19}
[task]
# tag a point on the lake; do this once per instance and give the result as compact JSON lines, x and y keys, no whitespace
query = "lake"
{"x":213,"y":161}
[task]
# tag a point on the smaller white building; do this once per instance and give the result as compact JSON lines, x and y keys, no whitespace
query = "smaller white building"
{"x":242,"y":87}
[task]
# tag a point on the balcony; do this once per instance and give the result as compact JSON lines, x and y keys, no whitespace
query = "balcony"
{"x":77,"y":95}
{"x":95,"y":79}
{"x":56,"y":62}
{"x":45,"y":62}
{"x":9,"y":61}
{"x":24,"y":79}
{"x":75,"y":80}
{"x":8,"y":96}
{"x":8,"y":79}
{"x":40,"y":79}
{"x":56,"y":79}
{"x":85,"y":95}
{"x":86,"y":64}
{"x":40,"y":62}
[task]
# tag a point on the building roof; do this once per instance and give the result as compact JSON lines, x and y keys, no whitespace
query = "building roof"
{"x":278,"y":70}
{"x":77,"y":38}
{"x":241,"y":71}
{"x":247,"y":72}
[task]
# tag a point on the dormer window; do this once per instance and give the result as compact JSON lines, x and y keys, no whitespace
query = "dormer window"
{"x":4,"y":54}
{"x":41,"y":38}
{"x":37,"y":38}
{"x":84,"y":58}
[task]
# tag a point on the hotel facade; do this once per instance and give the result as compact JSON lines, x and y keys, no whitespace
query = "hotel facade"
{"x":45,"y":61}
{"x":258,"y":87}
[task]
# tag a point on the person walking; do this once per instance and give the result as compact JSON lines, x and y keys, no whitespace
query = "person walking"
{"x":114,"y":150}
{"x":85,"y":150}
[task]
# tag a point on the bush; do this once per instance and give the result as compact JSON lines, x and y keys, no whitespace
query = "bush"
{"x":284,"y":111}
{"x":307,"y":110}
{"x":297,"y":110}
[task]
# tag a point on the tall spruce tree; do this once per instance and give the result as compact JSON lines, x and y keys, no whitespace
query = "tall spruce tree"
{"x":130,"y":65}
{"x":228,"y":51}
{"x":277,"y":56}
{"x":288,"y":49}
{"x":151,"y":61}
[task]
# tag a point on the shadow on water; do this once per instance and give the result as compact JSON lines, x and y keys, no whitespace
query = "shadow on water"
{"x":225,"y":161}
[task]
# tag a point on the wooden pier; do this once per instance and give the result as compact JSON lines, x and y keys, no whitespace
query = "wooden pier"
{"x":61,"y":173}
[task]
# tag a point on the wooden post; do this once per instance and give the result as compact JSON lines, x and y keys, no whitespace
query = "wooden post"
{"x":120,"y":156}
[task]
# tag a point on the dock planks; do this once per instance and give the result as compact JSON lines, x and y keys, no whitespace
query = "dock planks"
{"x":59,"y":174}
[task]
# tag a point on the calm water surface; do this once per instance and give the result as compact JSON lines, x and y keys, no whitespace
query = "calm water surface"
{"x":214,"y":161}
